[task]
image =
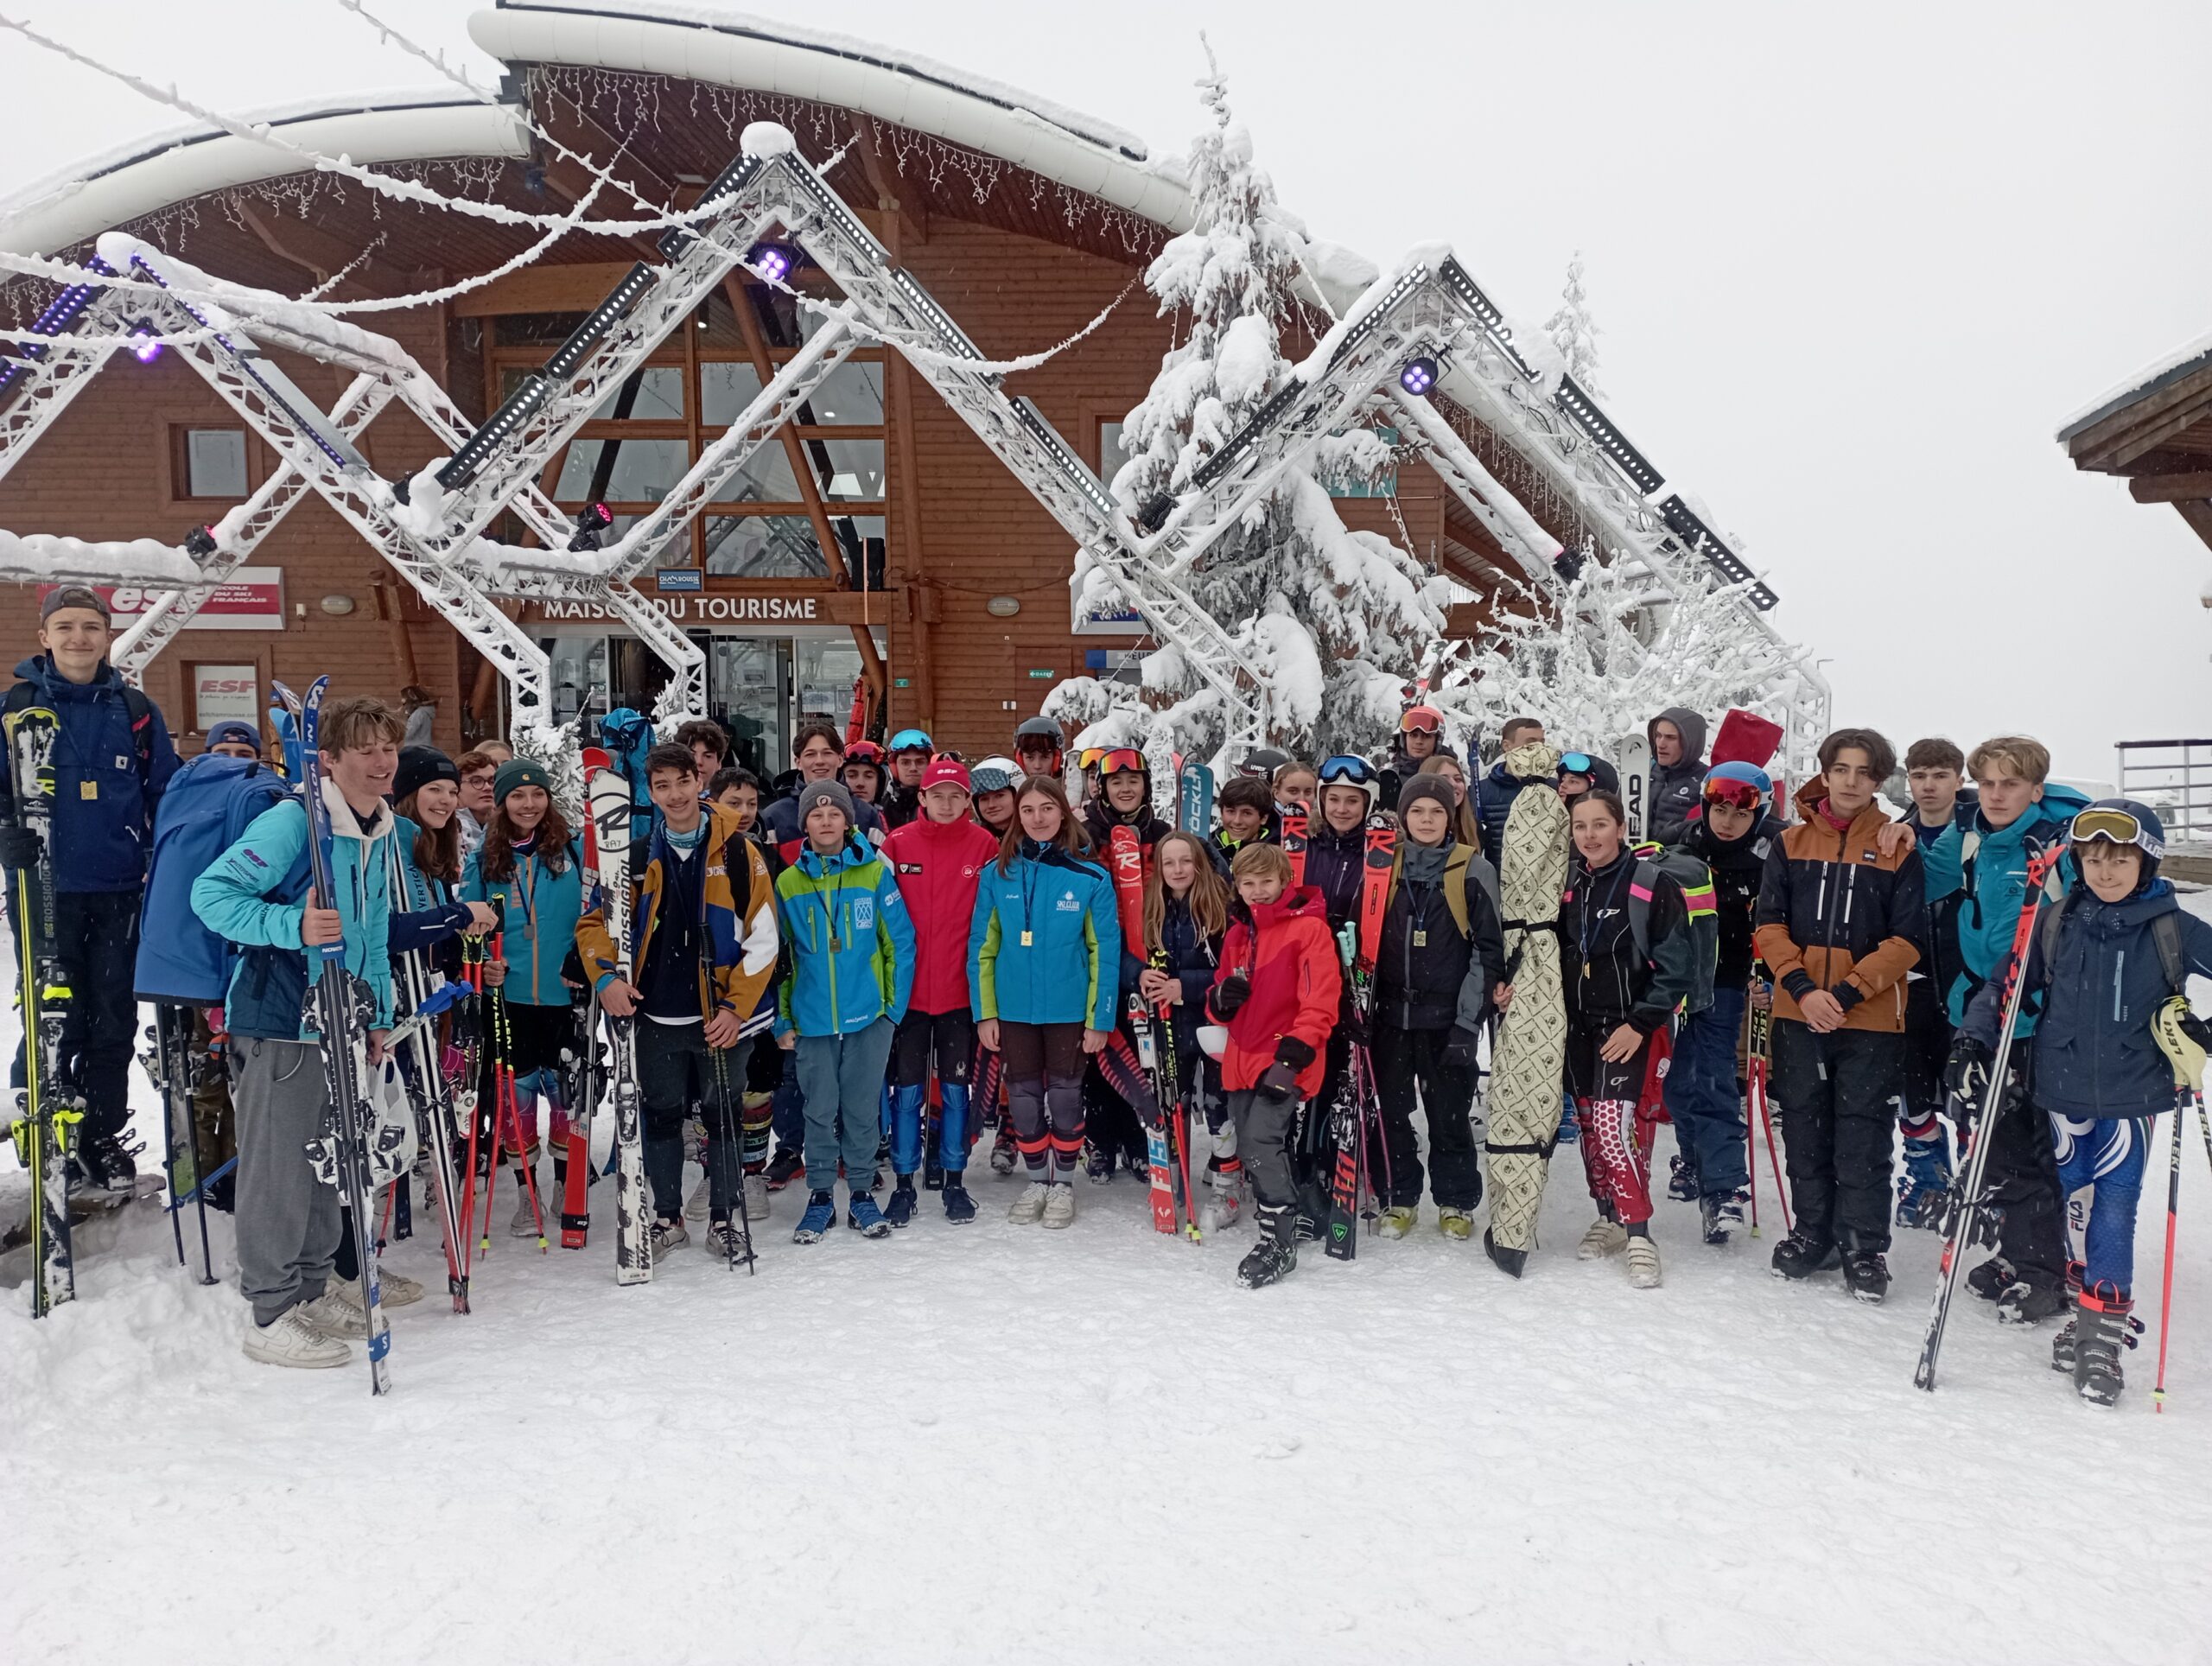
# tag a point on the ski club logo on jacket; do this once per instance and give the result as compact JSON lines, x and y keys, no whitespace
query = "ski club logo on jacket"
{"x":1069,"y":903}
{"x":863,"y":913}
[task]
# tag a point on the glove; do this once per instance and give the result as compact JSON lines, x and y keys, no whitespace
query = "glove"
{"x":1276,"y":1084}
{"x":1459,"y":1052}
{"x":1230,"y":994}
{"x":1294,"y":1052}
{"x":1966,"y":1073}
{"x":1360,"y":1029}
{"x":19,"y":848}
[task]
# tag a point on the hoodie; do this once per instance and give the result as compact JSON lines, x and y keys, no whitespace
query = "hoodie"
{"x":1675,"y":788}
{"x":109,"y":768}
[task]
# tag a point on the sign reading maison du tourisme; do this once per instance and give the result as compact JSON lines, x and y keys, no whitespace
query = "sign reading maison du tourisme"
{"x":252,"y":599}
{"x":704,"y":609}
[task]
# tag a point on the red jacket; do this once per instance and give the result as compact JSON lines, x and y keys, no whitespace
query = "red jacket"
{"x":937,"y":865}
{"x":1286,"y":949}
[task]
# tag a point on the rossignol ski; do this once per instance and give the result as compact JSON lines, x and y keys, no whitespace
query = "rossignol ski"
{"x":342,"y":1009}
{"x":607,"y":853}
{"x":1967,"y":1201}
{"x":1194,"y":800}
{"x":1125,"y":861}
{"x":1358,"y":945}
{"x":1759,"y":1060}
{"x":1292,"y":820}
{"x":583,"y":1071}
{"x":47,"y":1112}
{"x":422,"y":1074}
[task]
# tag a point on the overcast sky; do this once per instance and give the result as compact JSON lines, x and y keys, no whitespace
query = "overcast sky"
{"x":1853,"y":265}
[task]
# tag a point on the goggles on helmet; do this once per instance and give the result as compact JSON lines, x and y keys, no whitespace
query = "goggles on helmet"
{"x":1115,"y":760}
{"x":1421,"y":720}
{"x":910,"y":739}
{"x":1344,"y":770}
{"x":1738,"y":795}
{"x":2117,"y":826}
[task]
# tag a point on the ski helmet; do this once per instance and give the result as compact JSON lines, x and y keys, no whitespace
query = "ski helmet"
{"x":2125,"y":822}
{"x":1746,"y":787}
{"x":1041,"y":733}
{"x":1262,"y":762}
{"x":912,"y":739}
{"x":995,"y":775}
{"x":1346,"y":770}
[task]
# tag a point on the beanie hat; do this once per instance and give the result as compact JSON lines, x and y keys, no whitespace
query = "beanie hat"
{"x":815,"y":793}
{"x":947,"y":772}
{"x":518,"y":771}
{"x":1418,"y":787}
{"x":234,"y":731}
{"x":1751,"y":774}
{"x":71,"y":595}
{"x":419,"y":766}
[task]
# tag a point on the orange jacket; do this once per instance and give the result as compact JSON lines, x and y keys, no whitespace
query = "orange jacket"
{"x":1286,"y":949}
{"x":1836,"y":914}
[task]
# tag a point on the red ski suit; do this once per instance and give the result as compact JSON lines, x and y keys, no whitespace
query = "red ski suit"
{"x":937,"y":865}
{"x":1285,"y":950}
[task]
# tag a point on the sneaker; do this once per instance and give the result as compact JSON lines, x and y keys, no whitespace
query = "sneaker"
{"x":1866,"y":1275}
{"x":1718,"y":1214}
{"x":1395,"y":1223}
{"x":1456,"y":1223}
{"x":900,"y":1209}
{"x":1003,"y":1154}
{"x":697,"y":1206}
{"x":1681,"y":1179}
{"x":786,"y":1165}
{"x":1605,"y":1237}
{"x":1801,"y":1256}
{"x":726,"y":1241}
{"x":669,"y":1234}
{"x":865,"y":1218}
{"x":338,"y":1312}
{"x":1060,"y":1206}
{"x":396,"y":1289}
{"x":756,"y":1197}
{"x":1097,"y":1164}
{"x":1643,"y":1263}
{"x":2030,"y":1304}
{"x":959,"y":1207}
{"x":1993,"y":1278}
{"x":821,"y":1215}
{"x":525,"y":1221}
{"x":289,"y":1339}
{"x":1029,"y":1208}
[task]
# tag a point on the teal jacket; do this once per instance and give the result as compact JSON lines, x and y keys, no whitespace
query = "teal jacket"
{"x":555,"y":902}
{"x":1044,"y":946}
{"x":852,"y":944}
{"x":251,"y":895}
{"x":1977,"y":882}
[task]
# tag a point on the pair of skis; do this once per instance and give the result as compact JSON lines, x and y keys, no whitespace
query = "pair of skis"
{"x":430,"y":1096}
{"x":1163,"y":1142}
{"x":1355,"y":1100}
{"x":607,"y":863}
{"x":1635,"y":766}
{"x":1759,"y":1060}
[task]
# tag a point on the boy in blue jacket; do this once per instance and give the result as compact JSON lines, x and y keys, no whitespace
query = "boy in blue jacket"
{"x":852,"y":948}
{"x":256,"y":895}
{"x":2105,"y":961}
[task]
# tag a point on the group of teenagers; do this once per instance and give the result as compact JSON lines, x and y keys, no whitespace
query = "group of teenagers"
{"x":855,"y":974}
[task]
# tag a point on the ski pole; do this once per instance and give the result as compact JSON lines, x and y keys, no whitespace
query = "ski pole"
{"x":732,"y":1166}
{"x":2181,"y":1099}
{"x":159,"y":1037}
{"x":1750,"y":1141}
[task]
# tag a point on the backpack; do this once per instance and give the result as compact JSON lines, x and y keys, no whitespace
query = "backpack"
{"x":136,"y":707}
{"x":1694,"y":880}
{"x":628,"y":737}
{"x":210,"y":802}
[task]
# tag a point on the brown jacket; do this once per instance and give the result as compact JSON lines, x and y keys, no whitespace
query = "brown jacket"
{"x":1836,"y":914}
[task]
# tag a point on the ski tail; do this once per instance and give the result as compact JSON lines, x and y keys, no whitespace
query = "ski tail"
{"x":1375,"y":887}
{"x":1293,"y":824}
{"x":45,"y":1114}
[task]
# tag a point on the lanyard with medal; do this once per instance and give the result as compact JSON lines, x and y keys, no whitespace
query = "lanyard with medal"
{"x":1028,"y":936}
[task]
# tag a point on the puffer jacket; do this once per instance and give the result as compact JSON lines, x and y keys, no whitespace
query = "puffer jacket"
{"x":740,"y":918}
{"x":110,"y":765}
{"x":1336,"y":866}
{"x":1427,"y":974}
{"x":852,"y":944}
{"x":1677,"y":789}
{"x":781,"y":819}
{"x":1044,"y":944}
{"x":426,"y":913}
{"x":1493,"y":793}
{"x":1976,"y":880}
{"x":534,"y":894}
{"x":1194,"y":958}
{"x":2095,"y":1056}
{"x":1101,"y":818}
{"x":1285,"y":950}
{"x":938,"y":866}
{"x":1836,"y":915}
{"x":1604,"y":979}
{"x":1737,"y":866}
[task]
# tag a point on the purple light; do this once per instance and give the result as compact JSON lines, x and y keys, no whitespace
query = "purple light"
{"x":151,"y":350}
{"x":1419,"y":376}
{"x":771,"y":261}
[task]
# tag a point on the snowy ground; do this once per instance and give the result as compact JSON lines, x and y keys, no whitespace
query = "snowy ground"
{"x":1000,"y":1443}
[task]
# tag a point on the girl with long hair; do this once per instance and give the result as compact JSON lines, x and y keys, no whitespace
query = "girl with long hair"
{"x":1185,"y":917}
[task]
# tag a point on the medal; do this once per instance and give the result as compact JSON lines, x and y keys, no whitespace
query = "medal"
{"x":1028,"y":939}
{"x":1421,"y":938}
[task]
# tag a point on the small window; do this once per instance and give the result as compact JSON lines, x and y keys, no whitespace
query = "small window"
{"x":764,"y":546}
{"x":725,"y":388}
{"x":214,"y":462}
{"x":850,"y":393}
{"x":223,"y":692}
{"x":1110,"y":454}
{"x":652,"y":394}
{"x":850,"y":471}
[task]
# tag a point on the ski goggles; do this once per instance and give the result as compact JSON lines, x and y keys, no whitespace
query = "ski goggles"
{"x":1737,"y":795}
{"x":2118,"y":826}
{"x":864,"y":752}
{"x":910,"y":739}
{"x":1118,"y":760}
{"x":1421,"y":720}
{"x":1577,"y":763}
{"x":1344,"y":770}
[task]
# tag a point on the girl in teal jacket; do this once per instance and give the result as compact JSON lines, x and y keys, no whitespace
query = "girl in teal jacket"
{"x":1044,"y":963}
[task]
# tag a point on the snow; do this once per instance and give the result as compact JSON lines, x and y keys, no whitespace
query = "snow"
{"x":2159,"y":370}
{"x":29,"y":556}
{"x":766,"y":139}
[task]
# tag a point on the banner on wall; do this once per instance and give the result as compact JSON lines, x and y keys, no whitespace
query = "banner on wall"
{"x":252,"y":599}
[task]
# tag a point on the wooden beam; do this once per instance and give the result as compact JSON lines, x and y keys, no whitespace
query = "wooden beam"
{"x":2142,"y":426}
{"x":2171,"y":488}
{"x":2198,"y":514}
{"x":544,"y":289}
{"x":880,"y":179}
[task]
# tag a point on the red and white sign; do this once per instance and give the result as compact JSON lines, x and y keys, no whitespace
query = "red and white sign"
{"x":224,"y":691}
{"x":252,"y":599}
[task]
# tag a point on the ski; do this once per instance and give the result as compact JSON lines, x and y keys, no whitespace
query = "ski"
{"x":46,"y":1111}
{"x":1967,"y":1202}
{"x":1358,"y":945}
{"x":1194,"y":800}
{"x":607,"y":839}
{"x":1759,"y":1059}
{"x":421,"y":1073}
{"x":1633,"y":762}
{"x":583,"y":1098}
{"x":1292,"y":818}
{"x":1125,"y":861}
{"x":342,"y":1009}
{"x":175,"y":1071}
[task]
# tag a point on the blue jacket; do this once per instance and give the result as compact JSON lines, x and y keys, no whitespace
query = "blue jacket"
{"x":255,"y":894}
{"x":108,"y":775}
{"x":2094,"y":1054}
{"x":851,"y":897}
{"x":1493,"y":801}
{"x":1976,"y":882}
{"x":426,"y":913}
{"x":1066,"y":972}
{"x":555,"y":902}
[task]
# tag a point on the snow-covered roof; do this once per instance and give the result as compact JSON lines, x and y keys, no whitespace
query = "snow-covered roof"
{"x":2162,"y":371}
{"x":101,"y":193}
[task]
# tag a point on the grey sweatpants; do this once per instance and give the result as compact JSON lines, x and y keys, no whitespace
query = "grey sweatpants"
{"x":286,"y":1220}
{"x":1263,"y":1130}
{"x":844,"y":1073}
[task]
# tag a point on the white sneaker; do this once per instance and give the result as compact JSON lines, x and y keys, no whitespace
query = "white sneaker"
{"x":1604,"y":1238}
{"x":695,"y":1205}
{"x":668,"y":1237}
{"x":396,"y":1289}
{"x":1059,"y":1205}
{"x":1029,"y":1207}
{"x":525,"y":1224}
{"x":337,"y":1312}
{"x":291,"y":1340}
{"x":756,"y":1199}
{"x":1642,"y":1264}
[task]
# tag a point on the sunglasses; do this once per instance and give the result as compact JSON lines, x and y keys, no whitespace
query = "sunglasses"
{"x":1421,"y":720}
{"x":2119,"y":826}
{"x":1738,"y":795}
{"x":1346,"y":770}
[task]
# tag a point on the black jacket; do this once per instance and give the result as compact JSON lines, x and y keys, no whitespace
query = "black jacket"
{"x":1336,"y":866}
{"x":1606,"y":980}
{"x":1428,"y":976}
{"x":1676,"y":789}
{"x":1737,"y":866}
{"x":1194,"y":958}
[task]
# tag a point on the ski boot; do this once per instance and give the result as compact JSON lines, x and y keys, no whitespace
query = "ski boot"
{"x":784,"y":1168}
{"x":1396,"y":1222}
{"x":1993,"y":1278}
{"x":821,"y":1215}
{"x":2023,"y":1303}
{"x":1224,"y":1204}
{"x":959,"y":1207}
{"x":1720,"y":1214}
{"x":2101,"y":1330}
{"x":1682,"y":1179}
{"x":900,"y":1209}
{"x":1866,"y":1275}
{"x":865,"y":1218}
{"x":105,"y":1162}
{"x":1276,"y":1251}
{"x":1925,"y":1185}
{"x":1800,"y":1255}
{"x":1097,"y":1163}
{"x":1456,"y":1223}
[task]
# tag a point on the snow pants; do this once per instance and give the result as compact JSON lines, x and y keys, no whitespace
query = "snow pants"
{"x":1264,"y":1128}
{"x":1614,"y":1161}
{"x":287,"y":1220}
{"x":1405,"y":1060}
{"x":2100,"y":1167}
{"x":1701,"y":1094}
{"x":676,"y":1071}
{"x":96,"y":934}
{"x":1841,"y":1093}
{"x":1927,"y":1046}
{"x":947,"y":1040}
{"x":1044,"y":1090}
{"x":537,"y":1036}
{"x":843,"y":1079}
{"x":2025,"y":1199}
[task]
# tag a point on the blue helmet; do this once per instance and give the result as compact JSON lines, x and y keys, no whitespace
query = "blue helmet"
{"x":2125,"y":822}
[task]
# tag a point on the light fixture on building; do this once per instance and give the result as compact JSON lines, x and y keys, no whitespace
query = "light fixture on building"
{"x":200,"y":543}
{"x":592,"y":520}
{"x":771,"y":261}
{"x":1003,"y":607}
{"x":146,"y":352}
{"x":338,"y":607}
{"x":1419,"y":376}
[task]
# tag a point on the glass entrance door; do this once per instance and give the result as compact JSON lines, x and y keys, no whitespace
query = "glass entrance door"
{"x":748,"y":693}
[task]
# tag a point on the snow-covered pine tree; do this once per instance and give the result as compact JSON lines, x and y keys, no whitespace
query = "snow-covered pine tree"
{"x":1333,"y":622}
{"x":1575,"y":332}
{"x":1597,"y":656}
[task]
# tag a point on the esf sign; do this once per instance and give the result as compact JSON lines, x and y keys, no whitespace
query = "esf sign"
{"x":702,"y":610}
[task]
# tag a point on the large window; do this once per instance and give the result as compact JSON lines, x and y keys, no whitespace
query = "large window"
{"x":645,"y":435}
{"x":212,"y":462}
